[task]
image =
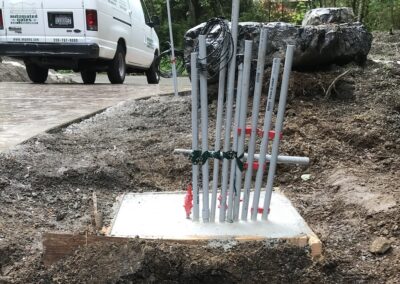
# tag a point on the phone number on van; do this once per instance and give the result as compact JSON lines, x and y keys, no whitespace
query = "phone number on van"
{"x":63,"y":40}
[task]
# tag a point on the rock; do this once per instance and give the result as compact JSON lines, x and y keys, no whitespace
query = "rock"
{"x":380,"y":245}
{"x":381,"y":223}
{"x":306,"y":177}
{"x":344,"y":90}
{"x":76,"y":205}
{"x":321,"y":16}
{"x":316,"y":46}
{"x":4,"y":182}
{"x":60,"y":216}
{"x":13,"y":70}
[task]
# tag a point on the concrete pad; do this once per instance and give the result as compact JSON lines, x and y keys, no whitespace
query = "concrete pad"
{"x":162,"y":216}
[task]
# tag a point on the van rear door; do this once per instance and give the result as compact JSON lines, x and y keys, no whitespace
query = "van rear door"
{"x":64,"y":21}
{"x":24,"y":21}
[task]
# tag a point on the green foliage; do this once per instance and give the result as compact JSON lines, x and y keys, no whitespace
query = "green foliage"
{"x":180,"y":22}
{"x":257,"y":13}
{"x":299,"y":13}
{"x":165,"y":65}
{"x":383,"y":15}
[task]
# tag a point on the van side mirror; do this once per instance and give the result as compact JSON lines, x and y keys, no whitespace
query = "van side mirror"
{"x":155,"y":21}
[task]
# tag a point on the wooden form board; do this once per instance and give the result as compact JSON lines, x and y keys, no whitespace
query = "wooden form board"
{"x":57,"y":246}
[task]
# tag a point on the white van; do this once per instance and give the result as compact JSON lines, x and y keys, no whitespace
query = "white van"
{"x":87,"y":36}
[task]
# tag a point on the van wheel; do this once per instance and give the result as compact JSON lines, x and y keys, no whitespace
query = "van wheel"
{"x":152,"y":74}
{"x":117,"y":69}
{"x":36,"y":73}
{"x":88,"y":76}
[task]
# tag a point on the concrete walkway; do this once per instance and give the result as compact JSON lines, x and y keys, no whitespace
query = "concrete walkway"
{"x":27,"y":109}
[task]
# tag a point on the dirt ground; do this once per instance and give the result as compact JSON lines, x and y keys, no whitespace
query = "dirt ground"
{"x":353,"y":197}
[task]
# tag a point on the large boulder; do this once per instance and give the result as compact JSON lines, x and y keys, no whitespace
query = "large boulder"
{"x":316,"y":46}
{"x":323,"y":16}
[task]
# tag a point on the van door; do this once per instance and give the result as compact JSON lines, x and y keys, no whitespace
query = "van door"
{"x":143,"y":54}
{"x":24,"y":21}
{"x":149,"y":33}
{"x":64,"y":21}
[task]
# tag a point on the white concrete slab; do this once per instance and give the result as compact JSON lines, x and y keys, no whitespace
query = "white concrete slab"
{"x":162,"y":216}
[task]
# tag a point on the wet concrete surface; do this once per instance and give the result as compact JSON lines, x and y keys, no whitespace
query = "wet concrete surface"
{"x":27,"y":109}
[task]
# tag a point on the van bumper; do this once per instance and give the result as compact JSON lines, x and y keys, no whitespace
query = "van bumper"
{"x":76,"y":50}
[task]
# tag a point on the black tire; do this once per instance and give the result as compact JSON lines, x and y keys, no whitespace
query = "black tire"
{"x":88,"y":76}
{"x":117,"y":69}
{"x":152,"y":74}
{"x":37,"y":74}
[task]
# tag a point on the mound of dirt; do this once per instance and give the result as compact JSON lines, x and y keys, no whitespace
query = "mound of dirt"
{"x":14,"y":71}
{"x":352,"y":198}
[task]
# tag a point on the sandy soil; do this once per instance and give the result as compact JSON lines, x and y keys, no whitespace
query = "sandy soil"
{"x":352,"y":138}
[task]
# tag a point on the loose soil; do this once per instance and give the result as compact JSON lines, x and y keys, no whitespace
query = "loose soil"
{"x":353,"y":197}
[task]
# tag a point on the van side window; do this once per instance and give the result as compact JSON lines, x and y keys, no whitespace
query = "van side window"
{"x":145,"y":11}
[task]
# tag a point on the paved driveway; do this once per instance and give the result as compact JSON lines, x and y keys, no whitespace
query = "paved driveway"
{"x":27,"y":109}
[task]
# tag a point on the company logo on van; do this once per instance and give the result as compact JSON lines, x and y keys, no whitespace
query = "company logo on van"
{"x":24,"y":18}
{"x":17,"y":30}
{"x":149,"y":42}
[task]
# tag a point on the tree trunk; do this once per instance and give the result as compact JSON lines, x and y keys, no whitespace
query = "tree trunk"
{"x":392,"y":14}
{"x":360,"y":16}
{"x":354,"y":5}
{"x":193,"y":10}
{"x":269,"y":11}
{"x":221,"y":9}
